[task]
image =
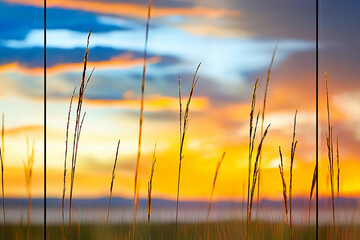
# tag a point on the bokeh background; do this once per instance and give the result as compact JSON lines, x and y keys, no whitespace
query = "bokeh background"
{"x":234,"y":40}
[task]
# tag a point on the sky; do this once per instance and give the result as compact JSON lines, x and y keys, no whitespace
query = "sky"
{"x":233,"y":40}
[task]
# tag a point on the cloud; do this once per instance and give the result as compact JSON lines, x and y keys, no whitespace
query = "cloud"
{"x":119,"y":62}
{"x":153,"y":103}
{"x":129,"y":9}
{"x":247,"y":55}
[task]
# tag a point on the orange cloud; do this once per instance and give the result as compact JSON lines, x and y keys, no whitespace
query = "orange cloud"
{"x":153,"y":103}
{"x":24,"y":129}
{"x":129,"y":9}
{"x":123,"y":61}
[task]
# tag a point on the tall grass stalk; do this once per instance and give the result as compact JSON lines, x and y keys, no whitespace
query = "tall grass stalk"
{"x":213,"y":185}
{"x":28,"y":168}
{"x":313,"y":182}
{"x":65,"y":168}
{"x":112,"y":180}
{"x":2,"y":158}
{"x":288,"y":213}
{"x":150,"y":189}
{"x":251,"y":139}
{"x":281,"y":169}
{"x":293,"y":148}
{"x":184,"y":121}
{"x":329,"y":141}
{"x":78,"y":125}
{"x":254,"y":180}
{"x":141,"y":121}
{"x":338,"y":165}
{"x":262,"y":122}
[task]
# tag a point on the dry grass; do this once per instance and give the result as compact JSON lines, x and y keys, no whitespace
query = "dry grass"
{"x":2,"y":159}
{"x":78,"y":125}
{"x":112,"y":180}
{"x":255,"y":177}
{"x":288,"y":214}
{"x":338,"y":165}
{"x":28,"y":168}
{"x":251,"y":138}
{"x":262,"y":120}
{"x":150,"y":189}
{"x":313,"y":182}
{"x":329,"y":141}
{"x":293,"y":148}
{"x":65,"y":169}
{"x":281,"y":169}
{"x":184,"y":120}
{"x":214,"y":182}
{"x":141,"y":122}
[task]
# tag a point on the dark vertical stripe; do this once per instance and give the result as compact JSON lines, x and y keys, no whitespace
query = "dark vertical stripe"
{"x":45,"y":119}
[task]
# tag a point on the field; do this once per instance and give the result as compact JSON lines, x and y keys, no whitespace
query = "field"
{"x":220,"y":230}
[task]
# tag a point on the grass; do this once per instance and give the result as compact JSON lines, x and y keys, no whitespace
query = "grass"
{"x":141,"y":120}
{"x":209,"y":231}
{"x":251,"y":139}
{"x":281,"y":169}
{"x":288,"y":214}
{"x":214,"y":183}
{"x":329,"y":141}
{"x":28,"y":168}
{"x":184,"y":121}
{"x":263,"y":119}
{"x":150,"y":189}
{"x":65,"y":160}
{"x":112,"y":180}
{"x":313,"y":182}
{"x":78,"y":124}
{"x":255,"y":176}
{"x":338,"y":165}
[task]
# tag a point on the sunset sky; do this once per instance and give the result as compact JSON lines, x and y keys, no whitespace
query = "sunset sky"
{"x":234,"y":40}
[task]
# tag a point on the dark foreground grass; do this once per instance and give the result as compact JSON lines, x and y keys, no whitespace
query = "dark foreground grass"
{"x":23,"y":232}
{"x":210,"y":231}
{"x":218,"y":230}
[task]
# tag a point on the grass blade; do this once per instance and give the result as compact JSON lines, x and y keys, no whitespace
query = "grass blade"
{"x":112,"y":180}
{"x":141,"y":121}
{"x":213,"y":186}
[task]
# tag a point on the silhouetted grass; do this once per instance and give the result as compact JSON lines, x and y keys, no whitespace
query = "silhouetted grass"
{"x":214,"y":182}
{"x":141,"y":120}
{"x":112,"y":180}
{"x":78,"y":124}
{"x":184,"y":121}
{"x":150,"y":189}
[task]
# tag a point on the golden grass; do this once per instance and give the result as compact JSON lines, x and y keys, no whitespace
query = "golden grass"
{"x":78,"y":125}
{"x":184,"y":120}
{"x":255,"y":177}
{"x":293,"y":148}
{"x":313,"y":182}
{"x":251,"y":138}
{"x":112,"y":180}
{"x":150,"y":189}
{"x":329,"y":141}
{"x":141,"y":122}
{"x":262,"y":121}
{"x":2,"y":159}
{"x":338,"y":165}
{"x":281,"y":169}
{"x":28,"y":168}
{"x":65,"y":169}
{"x":288,"y":214}
{"x":214,"y":182}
